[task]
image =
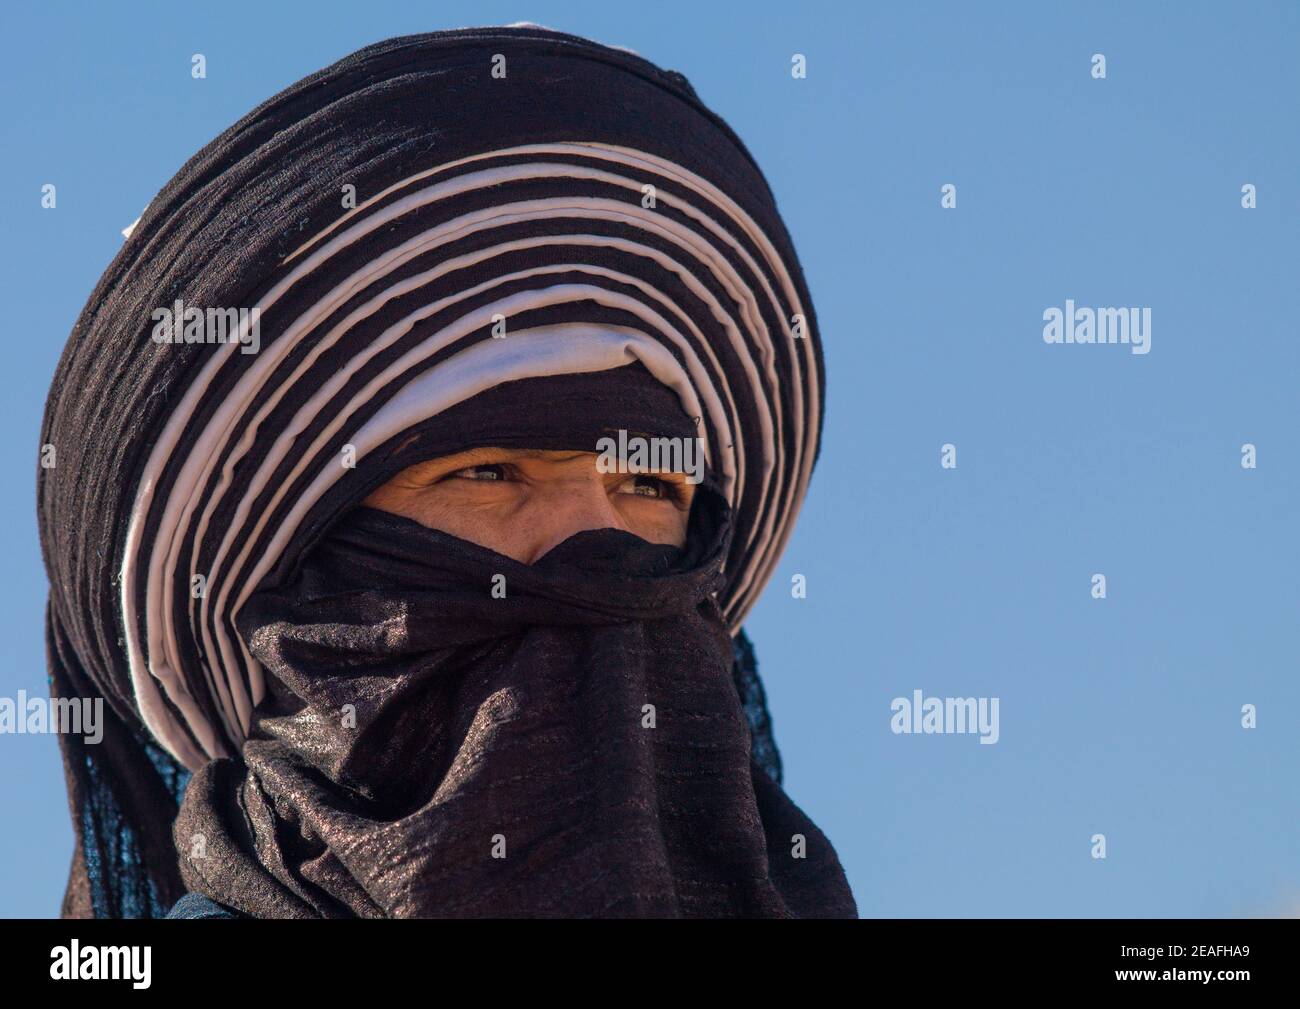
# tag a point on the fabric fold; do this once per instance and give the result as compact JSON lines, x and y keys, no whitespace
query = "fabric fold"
{"x":573,"y":747}
{"x":401,"y":255}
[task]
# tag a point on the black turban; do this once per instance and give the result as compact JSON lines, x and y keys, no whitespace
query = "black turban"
{"x":483,"y":236}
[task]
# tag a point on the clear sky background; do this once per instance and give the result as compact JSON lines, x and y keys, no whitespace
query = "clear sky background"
{"x":1119,"y":716}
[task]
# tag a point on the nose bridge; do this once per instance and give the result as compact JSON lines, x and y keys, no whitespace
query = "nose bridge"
{"x":567,"y":507}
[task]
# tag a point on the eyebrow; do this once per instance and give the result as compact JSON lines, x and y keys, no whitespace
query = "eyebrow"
{"x":541,"y":453}
{"x":486,"y":454}
{"x":522,"y":453}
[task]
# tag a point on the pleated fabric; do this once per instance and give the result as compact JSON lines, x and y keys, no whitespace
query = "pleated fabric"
{"x":407,"y":229}
{"x":574,"y":747}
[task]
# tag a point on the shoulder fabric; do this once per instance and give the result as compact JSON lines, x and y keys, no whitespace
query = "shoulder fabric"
{"x":195,"y":905}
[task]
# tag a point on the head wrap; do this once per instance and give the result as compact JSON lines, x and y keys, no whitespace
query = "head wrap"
{"x":572,"y":747}
{"x":427,"y":222}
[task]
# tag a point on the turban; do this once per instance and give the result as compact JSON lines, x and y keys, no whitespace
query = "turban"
{"x":385,"y":245}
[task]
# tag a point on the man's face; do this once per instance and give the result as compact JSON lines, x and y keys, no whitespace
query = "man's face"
{"x":523,"y":502}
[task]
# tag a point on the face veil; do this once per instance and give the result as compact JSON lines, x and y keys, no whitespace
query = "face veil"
{"x":423,"y":252}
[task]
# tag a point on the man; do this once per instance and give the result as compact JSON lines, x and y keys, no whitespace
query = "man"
{"x":432,"y":575}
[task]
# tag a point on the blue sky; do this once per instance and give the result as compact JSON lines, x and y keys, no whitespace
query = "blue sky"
{"x":1119,"y":716}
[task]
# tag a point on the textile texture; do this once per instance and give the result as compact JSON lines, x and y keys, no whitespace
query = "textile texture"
{"x":496,"y":236}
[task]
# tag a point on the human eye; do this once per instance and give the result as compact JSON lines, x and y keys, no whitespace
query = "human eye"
{"x":490,"y":473}
{"x":649,"y":486}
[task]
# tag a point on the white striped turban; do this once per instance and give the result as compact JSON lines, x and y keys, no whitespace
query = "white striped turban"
{"x":389,"y":218}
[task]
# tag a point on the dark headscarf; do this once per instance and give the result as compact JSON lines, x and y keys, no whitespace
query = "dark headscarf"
{"x":433,"y":225}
